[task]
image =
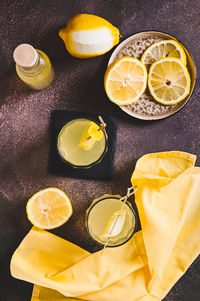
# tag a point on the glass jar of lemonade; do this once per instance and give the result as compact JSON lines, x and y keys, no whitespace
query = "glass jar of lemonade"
{"x":82,"y":143}
{"x":100,"y":213}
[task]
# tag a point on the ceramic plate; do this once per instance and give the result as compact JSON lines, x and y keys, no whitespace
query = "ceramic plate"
{"x":146,"y":107}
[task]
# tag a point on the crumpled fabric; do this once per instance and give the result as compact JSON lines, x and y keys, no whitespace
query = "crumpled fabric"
{"x":143,"y":269}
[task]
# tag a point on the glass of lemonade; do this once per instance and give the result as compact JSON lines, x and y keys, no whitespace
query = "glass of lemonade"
{"x":76,"y":154}
{"x":99,"y":214}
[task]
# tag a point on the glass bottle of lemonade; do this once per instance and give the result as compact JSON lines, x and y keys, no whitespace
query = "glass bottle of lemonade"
{"x":33,"y":67}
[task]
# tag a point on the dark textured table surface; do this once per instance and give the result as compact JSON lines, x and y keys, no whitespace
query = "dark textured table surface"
{"x":78,"y":85}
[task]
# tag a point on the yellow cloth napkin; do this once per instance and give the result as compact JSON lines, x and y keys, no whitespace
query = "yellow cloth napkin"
{"x":143,"y":269}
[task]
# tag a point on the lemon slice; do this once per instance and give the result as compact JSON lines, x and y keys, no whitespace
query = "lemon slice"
{"x":95,"y":132}
{"x":49,"y":208}
{"x":169,"y":81}
{"x":88,"y":35}
{"x":115,"y":224}
{"x":86,"y":141}
{"x":162,"y":49}
{"x":125,"y":80}
{"x":91,"y":134}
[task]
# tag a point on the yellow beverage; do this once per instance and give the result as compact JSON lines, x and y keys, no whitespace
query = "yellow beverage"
{"x":99,"y":214}
{"x":33,"y":67}
{"x":68,"y":145}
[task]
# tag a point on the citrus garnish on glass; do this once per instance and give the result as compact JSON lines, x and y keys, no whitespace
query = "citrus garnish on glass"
{"x":115,"y":224}
{"x":92,"y":133}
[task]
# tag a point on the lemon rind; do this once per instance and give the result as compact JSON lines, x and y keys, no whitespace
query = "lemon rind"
{"x":84,"y":22}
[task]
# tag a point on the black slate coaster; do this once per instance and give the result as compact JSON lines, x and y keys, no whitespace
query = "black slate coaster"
{"x":101,"y":171}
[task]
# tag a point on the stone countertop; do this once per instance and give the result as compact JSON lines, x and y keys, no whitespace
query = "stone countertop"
{"x":78,"y":86}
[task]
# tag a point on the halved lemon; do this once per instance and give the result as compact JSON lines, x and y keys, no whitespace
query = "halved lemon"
{"x":125,"y":80}
{"x":169,"y":81}
{"x":49,"y":208}
{"x":162,"y":49}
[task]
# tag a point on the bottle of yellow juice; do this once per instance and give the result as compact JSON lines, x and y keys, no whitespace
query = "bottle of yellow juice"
{"x":33,"y":67}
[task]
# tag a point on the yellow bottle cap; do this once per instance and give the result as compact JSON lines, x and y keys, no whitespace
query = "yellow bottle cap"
{"x":25,"y":55}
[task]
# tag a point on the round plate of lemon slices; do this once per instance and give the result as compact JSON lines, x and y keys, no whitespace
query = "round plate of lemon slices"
{"x":163,"y":89}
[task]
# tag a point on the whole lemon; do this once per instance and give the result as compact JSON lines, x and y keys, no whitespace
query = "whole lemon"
{"x":88,"y":35}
